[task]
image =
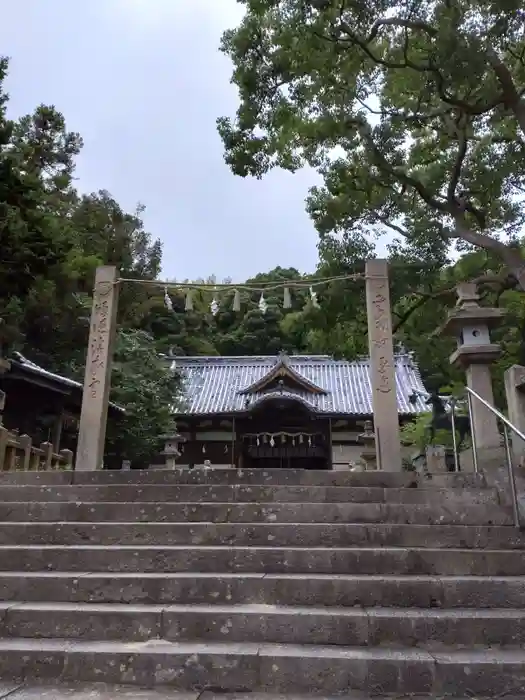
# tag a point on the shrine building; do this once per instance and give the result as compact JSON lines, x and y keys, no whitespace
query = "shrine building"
{"x":298,"y":411}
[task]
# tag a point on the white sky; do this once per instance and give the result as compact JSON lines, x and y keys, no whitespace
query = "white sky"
{"x":143,"y":82}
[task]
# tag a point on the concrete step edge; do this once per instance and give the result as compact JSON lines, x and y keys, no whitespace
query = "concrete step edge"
{"x":245,"y":548}
{"x":236,"y":667}
{"x":161,"y":646}
{"x":126,"y":692}
{"x":352,"y":578}
{"x":273,"y":525}
{"x":259,"y":609}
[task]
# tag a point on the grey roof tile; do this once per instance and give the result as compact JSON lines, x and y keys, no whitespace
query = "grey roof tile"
{"x":33,"y":368}
{"x":213,"y":384}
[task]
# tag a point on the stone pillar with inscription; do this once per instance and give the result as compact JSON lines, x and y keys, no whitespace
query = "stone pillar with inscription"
{"x":382,"y":368}
{"x":97,"y":378}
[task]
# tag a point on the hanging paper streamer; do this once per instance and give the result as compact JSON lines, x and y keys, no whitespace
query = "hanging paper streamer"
{"x":188,"y":306}
{"x":167,"y":300}
{"x":263,"y":306}
{"x":272,"y":441}
{"x":204,"y":449}
{"x":214,"y":306}
{"x":313,"y":298}
{"x":237,"y":301}
{"x":287,"y":298}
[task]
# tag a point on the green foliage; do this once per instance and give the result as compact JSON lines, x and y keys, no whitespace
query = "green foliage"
{"x":413,"y":115}
{"x":303,"y":92}
{"x":144,"y":385}
{"x":416,"y":434}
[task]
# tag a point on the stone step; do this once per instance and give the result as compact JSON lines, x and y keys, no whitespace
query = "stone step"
{"x":174,"y":511}
{"x":103,"y":691}
{"x":248,"y":667}
{"x":340,"y":590}
{"x":248,"y":476}
{"x":263,"y":623}
{"x":221,"y":559}
{"x":275,"y":534}
{"x":229,"y":493}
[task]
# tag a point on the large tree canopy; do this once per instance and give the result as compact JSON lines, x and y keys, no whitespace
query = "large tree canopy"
{"x":412,"y":112}
{"x":53,"y":237}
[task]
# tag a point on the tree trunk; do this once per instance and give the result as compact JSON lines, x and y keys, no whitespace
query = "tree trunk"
{"x":514,"y":260}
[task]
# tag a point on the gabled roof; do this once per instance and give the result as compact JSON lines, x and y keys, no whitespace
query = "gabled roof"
{"x":282,"y":370}
{"x":217,"y":385}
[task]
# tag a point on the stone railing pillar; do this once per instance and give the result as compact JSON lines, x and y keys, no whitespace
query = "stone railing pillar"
{"x":515,"y":392}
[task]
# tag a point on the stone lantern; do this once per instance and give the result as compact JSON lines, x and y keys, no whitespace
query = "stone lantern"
{"x":368,"y":440}
{"x":471,"y":323}
{"x":172,"y":448}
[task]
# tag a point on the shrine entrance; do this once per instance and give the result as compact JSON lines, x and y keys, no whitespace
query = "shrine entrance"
{"x":282,"y":432}
{"x":315,"y":427}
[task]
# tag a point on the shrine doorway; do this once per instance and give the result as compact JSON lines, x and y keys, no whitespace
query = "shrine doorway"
{"x":283,"y":432}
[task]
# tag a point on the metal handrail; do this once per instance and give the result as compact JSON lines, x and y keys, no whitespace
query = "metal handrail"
{"x":471,"y":394}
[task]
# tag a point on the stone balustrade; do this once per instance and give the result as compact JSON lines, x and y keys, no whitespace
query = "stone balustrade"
{"x":17,"y":453}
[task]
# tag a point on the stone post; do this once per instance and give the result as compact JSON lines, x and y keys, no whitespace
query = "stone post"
{"x":97,"y":378}
{"x":470,"y":324}
{"x":368,"y":440}
{"x":382,"y":368}
{"x":172,"y":449}
{"x":436,"y":459}
{"x":515,"y":391}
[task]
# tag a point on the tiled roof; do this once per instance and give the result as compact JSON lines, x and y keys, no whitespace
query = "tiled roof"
{"x":214,"y":384}
{"x":36,"y":369}
{"x":32,"y":368}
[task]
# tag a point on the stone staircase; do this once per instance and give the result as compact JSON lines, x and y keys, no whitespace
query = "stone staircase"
{"x":285,"y":582}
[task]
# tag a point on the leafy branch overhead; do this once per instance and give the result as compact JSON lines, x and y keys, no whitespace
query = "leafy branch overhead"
{"x":413,"y":114}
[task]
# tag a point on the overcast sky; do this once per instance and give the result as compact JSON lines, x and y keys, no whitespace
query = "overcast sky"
{"x":143,"y":82}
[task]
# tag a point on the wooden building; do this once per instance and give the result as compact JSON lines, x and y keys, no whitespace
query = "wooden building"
{"x":41,"y":404}
{"x":302,"y":411}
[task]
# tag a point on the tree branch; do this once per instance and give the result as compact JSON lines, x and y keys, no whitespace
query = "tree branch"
{"x":453,"y":100}
{"x":458,"y":165}
{"x":403,"y":318}
{"x":475,"y":238}
{"x":504,"y":281}
{"x":397,"y":22}
{"x":398,"y":229}
{"x":383,"y":164}
{"x":511,"y":96}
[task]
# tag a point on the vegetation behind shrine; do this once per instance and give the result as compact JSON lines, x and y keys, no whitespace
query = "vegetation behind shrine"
{"x":53,"y":238}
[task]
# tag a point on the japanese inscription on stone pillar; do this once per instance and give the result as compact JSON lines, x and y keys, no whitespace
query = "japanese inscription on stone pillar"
{"x":382,"y":369}
{"x":99,"y":337}
{"x":380,"y":338}
{"x":97,"y":377}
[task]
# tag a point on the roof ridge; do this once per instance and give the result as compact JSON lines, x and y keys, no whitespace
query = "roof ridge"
{"x":400,"y":358}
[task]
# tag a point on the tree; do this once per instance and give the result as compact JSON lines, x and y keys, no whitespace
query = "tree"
{"x":143,"y":384}
{"x":253,"y":331}
{"x":412,"y":113}
{"x":36,"y":164}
